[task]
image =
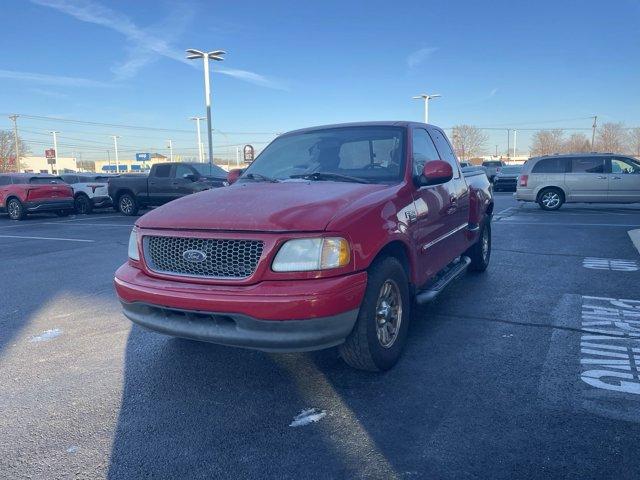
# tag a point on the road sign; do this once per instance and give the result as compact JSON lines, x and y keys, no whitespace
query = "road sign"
{"x":248,"y":153}
{"x":143,"y":157}
{"x":50,"y":153}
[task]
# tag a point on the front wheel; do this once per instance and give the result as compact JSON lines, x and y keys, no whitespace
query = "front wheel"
{"x":378,"y":337}
{"x":551,"y":199}
{"x":16,"y":210}
{"x":127,"y":204}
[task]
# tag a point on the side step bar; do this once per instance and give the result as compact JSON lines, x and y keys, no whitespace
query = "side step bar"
{"x":448,"y":275}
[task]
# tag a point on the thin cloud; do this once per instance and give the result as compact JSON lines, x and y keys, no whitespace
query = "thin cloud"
{"x":493,"y":92}
{"x":56,"y":80}
{"x":419,"y":56}
{"x":145,"y":47}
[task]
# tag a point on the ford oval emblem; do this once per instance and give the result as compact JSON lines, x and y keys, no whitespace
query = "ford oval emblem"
{"x":194,"y":256}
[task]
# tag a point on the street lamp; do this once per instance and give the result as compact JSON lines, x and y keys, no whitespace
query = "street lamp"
{"x":215,"y":55}
{"x":426,"y":98}
{"x":197,"y":119}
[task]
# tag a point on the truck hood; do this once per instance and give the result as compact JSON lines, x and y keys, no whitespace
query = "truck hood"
{"x":260,"y":206}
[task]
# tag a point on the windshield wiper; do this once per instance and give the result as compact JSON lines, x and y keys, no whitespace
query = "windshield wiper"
{"x":260,"y":177}
{"x":329,"y":176}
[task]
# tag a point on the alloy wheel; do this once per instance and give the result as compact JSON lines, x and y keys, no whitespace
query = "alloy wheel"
{"x":388,"y":313}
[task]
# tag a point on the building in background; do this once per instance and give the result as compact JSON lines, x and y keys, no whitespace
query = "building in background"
{"x":129,"y":165}
{"x":41,"y":165}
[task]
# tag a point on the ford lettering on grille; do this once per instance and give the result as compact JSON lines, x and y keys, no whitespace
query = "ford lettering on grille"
{"x":202,"y":257}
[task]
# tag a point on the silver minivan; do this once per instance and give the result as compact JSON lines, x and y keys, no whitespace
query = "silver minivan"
{"x":553,"y":180}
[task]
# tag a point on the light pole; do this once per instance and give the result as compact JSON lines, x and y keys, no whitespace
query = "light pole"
{"x":197,"y":119}
{"x":170,"y":145}
{"x":214,"y":55}
{"x":115,"y":145}
{"x":426,"y":98}
{"x":14,"y":119}
{"x":593,"y":133}
{"x":515,"y":139}
{"x":55,"y":149}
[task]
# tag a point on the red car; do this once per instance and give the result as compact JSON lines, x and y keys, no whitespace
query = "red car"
{"x":327,"y":239}
{"x":23,"y":193}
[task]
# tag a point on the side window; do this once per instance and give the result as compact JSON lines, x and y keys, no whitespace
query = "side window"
{"x":551,"y":165}
{"x":624,"y":166}
{"x":423,"y":150}
{"x":4,"y":181}
{"x":163,"y":171}
{"x":182,"y":170}
{"x":446,"y":152}
{"x":587,"y":165}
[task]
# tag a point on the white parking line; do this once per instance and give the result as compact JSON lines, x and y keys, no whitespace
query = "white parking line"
{"x":505,"y":210}
{"x":510,"y":221}
{"x":635,"y":238}
{"x":48,"y":238}
{"x":89,"y":224}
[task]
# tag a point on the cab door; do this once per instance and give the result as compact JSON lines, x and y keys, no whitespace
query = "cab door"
{"x":624,"y":180}
{"x":160,"y":188}
{"x":432,"y":227}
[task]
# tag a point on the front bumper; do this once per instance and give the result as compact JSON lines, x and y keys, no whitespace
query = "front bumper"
{"x":282,"y":316}
{"x":49,"y":205}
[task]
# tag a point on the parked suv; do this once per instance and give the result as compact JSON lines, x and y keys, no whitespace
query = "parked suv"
{"x":89,"y":191}
{"x":584,"y":177}
{"x":22,"y":193}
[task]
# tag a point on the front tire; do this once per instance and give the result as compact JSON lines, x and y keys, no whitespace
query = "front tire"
{"x":128,"y":205}
{"x":16,"y":210}
{"x":83,"y":205}
{"x":378,"y":337}
{"x":551,"y":199}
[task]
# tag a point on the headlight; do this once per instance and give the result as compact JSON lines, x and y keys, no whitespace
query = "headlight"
{"x":304,"y":254}
{"x":133,"y":245}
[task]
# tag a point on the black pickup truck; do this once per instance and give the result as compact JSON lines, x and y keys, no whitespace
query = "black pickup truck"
{"x":165,"y":182}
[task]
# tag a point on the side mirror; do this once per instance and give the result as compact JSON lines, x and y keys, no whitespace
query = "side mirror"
{"x":190,"y":176}
{"x":435,"y":172}
{"x":234,"y":174}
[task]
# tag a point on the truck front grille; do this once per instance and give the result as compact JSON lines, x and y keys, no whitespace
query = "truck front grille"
{"x":205,"y":258}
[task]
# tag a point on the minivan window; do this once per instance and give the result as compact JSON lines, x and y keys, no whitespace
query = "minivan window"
{"x":624,"y":165}
{"x":587,"y":165}
{"x":550,"y":165}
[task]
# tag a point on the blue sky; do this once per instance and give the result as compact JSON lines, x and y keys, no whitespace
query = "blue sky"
{"x":295,"y":64}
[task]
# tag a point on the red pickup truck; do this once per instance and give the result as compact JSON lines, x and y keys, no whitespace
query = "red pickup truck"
{"x":328,"y":238}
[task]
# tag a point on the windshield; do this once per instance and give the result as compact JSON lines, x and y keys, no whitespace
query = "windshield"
{"x":208,"y":170}
{"x":370,"y":154}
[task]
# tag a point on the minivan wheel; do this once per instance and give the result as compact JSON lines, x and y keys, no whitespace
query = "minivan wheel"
{"x":16,"y":210}
{"x":550,"y":199}
{"x":127,"y":204}
{"x":378,"y":337}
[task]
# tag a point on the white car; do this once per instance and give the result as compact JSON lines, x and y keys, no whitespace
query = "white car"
{"x":89,"y":191}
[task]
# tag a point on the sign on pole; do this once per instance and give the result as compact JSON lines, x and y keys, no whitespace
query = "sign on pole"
{"x":143,"y":157}
{"x":248,"y":153}
{"x":50,"y":154}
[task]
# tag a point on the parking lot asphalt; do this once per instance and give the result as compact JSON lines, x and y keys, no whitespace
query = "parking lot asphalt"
{"x":527,"y":371}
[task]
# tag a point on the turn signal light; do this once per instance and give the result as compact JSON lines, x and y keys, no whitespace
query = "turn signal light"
{"x":523,"y":180}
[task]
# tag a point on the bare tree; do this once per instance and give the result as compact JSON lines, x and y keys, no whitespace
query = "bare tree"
{"x":634,"y":141}
{"x":8,"y":150}
{"x":577,"y":142}
{"x":547,"y":142}
{"x":611,"y":138}
{"x":468,"y":141}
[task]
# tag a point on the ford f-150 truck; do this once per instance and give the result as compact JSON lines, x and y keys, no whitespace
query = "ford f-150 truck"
{"x":328,"y":238}
{"x":165,"y":182}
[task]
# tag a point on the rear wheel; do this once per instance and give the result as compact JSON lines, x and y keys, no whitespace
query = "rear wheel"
{"x":63,"y":213}
{"x":16,"y":210}
{"x":550,"y":199}
{"x":127,"y":204}
{"x":378,"y":337}
{"x":480,"y":252}
{"x":83,"y":205}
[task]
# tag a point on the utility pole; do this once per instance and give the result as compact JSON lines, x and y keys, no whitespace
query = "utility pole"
{"x":200,"y":152}
{"x":55,"y":149}
{"x":237,"y":156}
{"x":426,"y":97}
{"x":215,"y":55}
{"x":508,"y":142}
{"x":593,"y":133}
{"x":115,"y":144}
{"x":496,"y":151}
{"x":14,"y":119}
{"x":170,"y":150}
{"x":515,"y":139}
